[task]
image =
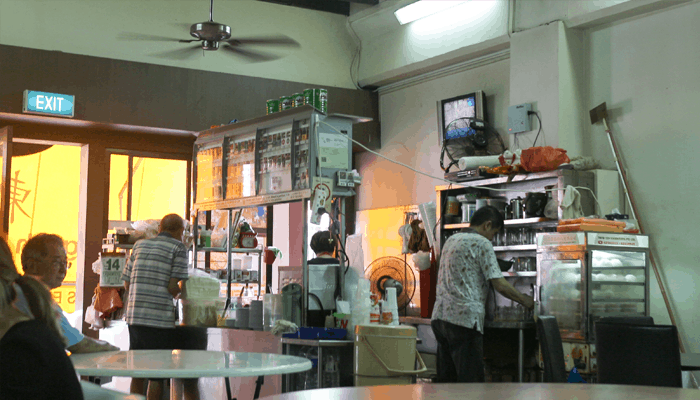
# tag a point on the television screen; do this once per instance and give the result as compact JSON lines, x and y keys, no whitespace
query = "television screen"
{"x":452,"y":110}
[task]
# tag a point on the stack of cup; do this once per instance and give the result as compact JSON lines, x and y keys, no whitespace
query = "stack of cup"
{"x":392,"y":305}
{"x":360,"y":307}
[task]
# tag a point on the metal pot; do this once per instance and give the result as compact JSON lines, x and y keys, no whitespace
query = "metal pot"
{"x":516,"y":208}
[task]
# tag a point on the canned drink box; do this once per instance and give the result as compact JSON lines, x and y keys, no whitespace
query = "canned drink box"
{"x":285,"y":103}
{"x":298,"y":99}
{"x":309,"y":96}
{"x":272,"y":106}
{"x":321,"y":100}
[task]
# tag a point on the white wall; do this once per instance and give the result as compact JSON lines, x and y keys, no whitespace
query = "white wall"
{"x":532,"y":13}
{"x":409,"y":135}
{"x":91,"y":28}
{"x":534,"y":78}
{"x":646,"y":70}
{"x":457,"y":28}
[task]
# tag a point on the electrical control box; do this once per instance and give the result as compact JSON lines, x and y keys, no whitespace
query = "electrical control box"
{"x":519,"y":119}
{"x":345,"y":179}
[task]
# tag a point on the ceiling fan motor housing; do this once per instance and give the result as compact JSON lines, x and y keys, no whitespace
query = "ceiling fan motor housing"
{"x":210,"y":31}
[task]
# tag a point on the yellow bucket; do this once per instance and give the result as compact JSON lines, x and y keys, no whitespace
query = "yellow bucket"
{"x":386,"y":355}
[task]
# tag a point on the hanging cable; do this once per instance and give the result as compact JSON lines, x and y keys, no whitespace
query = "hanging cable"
{"x":540,"y":123}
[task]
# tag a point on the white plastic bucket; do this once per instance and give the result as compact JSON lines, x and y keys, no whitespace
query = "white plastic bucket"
{"x":386,"y":355}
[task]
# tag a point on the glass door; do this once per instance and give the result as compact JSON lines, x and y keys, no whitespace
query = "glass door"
{"x":561,"y":285}
{"x":5,"y":193}
{"x":619,"y":283}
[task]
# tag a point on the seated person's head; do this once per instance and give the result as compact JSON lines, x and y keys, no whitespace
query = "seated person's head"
{"x":487,"y":221}
{"x":36,"y":294}
{"x":172,"y":224}
{"x":322,"y":242}
{"x":45,"y":257}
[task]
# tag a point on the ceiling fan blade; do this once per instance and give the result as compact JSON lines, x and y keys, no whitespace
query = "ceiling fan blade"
{"x":179,"y":54}
{"x":143,"y":36}
{"x":277,"y":40}
{"x":252,"y":56}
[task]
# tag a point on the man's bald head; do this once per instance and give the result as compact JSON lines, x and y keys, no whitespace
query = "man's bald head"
{"x":172,"y":223}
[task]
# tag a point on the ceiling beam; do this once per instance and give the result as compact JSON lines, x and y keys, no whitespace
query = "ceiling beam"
{"x":335,"y":7}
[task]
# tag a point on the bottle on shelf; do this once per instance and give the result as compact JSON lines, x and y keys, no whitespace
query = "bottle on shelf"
{"x":311,"y":376}
{"x":331,"y":375}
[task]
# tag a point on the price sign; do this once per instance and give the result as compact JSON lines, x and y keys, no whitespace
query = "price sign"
{"x":112,"y":267}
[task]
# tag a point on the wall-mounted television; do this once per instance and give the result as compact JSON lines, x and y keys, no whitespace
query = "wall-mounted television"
{"x":472,"y":105}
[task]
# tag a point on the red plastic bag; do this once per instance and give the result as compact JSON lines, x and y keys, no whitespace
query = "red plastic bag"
{"x":538,"y":159}
{"x":107,"y":301}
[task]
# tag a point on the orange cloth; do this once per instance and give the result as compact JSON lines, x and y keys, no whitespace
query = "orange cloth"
{"x":107,"y":301}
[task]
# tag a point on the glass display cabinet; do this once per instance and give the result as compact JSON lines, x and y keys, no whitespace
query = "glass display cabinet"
{"x":584,"y":276}
{"x":300,"y":154}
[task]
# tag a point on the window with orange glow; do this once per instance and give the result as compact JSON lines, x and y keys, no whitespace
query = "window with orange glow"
{"x":159,"y":187}
{"x":44,"y":198}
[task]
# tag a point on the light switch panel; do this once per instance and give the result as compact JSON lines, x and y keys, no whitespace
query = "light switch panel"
{"x":518,"y":118}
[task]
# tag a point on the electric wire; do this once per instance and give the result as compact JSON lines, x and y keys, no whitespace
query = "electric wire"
{"x":456,"y":184}
{"x":539,"y":130}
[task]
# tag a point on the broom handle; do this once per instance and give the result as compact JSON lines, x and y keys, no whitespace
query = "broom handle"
{"x":652,"y":260}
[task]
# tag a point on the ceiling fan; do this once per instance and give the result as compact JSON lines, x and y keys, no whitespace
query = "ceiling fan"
{"x":211,"y":35}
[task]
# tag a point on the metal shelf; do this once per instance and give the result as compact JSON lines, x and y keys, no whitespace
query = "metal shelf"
{"x":618,"y":283}
{"x":512,"y":222}
{"x":521,"y":247}
{"x":607,"y":268}
{"x":233,"y":250}
{"x":317,"y":343}
{"x":504,"y":179}
{"x":617,"y":300}
{"x":521,"y":273}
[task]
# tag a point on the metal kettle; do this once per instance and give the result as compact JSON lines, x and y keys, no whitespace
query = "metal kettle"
{"x":516,"y":207}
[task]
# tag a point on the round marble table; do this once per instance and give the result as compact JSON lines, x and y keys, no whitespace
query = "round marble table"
{"x":182,"y":364}
{"x":496,"y":391}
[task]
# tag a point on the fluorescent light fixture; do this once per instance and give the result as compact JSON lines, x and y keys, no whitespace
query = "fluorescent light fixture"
{"x":423,"y":8}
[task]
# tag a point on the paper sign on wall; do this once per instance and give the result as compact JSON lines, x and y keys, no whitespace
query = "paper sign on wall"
{"x":333,"y":151}
{"x":112,"y":267}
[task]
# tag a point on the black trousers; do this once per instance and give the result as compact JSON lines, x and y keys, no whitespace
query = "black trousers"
{"x":460,"y":356}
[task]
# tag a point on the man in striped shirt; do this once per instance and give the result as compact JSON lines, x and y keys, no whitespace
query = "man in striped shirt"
{"x":151,"y":278}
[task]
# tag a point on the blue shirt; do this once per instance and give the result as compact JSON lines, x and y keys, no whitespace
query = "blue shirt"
{"x":72,"y":335}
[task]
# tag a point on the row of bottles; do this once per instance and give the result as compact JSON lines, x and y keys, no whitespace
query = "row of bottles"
{"x":280,"y":155}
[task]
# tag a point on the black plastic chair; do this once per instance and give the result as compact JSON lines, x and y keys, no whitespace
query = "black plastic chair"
{"x":631,"y":320}
{"x":628,"y":319}
{"x":552,"y":349}
{"x":638,"y":354}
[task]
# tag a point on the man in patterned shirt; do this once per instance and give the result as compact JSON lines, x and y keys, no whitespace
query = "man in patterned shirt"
{"x":151,"y":277}
{"x":467,"y":265}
